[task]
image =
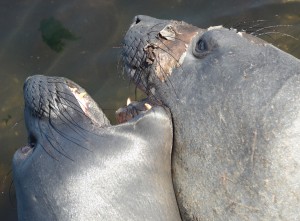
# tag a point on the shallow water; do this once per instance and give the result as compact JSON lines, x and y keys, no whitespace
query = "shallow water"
{"x":91,"y":57}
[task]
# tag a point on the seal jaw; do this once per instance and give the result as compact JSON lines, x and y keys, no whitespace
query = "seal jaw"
{"x":52,"y":97}
{"x":56,"y":107}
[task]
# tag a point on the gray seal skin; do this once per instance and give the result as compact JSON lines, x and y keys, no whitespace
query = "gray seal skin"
{"x":235,"y":105}
{"x":77,"y":166}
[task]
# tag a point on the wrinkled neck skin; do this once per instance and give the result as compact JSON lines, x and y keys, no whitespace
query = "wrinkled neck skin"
{"x":76,"y":168}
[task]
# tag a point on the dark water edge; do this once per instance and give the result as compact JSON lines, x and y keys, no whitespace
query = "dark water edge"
{"x":91,"y":58}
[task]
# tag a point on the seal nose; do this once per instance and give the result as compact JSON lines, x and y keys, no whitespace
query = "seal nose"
{"x":142,"y":18}
{"x":136,"y":19}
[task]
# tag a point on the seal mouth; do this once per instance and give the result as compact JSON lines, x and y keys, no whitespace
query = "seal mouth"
{"x":134,"y":109}
{"x":54,"y":105}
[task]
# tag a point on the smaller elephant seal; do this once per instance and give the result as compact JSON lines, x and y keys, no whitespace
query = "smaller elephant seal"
{"x":235,"y":105}
{"x":76,"y":166}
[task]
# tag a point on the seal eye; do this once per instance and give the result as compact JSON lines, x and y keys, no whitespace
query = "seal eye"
{"x":201,"y":46}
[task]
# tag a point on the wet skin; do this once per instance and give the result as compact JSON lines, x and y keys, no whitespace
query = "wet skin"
{"x":77,"y":166}
{"x":235,"y":104}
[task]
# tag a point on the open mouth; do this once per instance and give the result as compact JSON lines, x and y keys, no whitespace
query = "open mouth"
{"x":134,"y":108}
{"x":57,"y":107}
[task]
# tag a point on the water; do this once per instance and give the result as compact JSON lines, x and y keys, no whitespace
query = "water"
{"x":90,"y":56}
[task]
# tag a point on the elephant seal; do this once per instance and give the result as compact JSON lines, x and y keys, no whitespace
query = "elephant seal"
{"x":235,"y":105}
{"x":77,"y":166}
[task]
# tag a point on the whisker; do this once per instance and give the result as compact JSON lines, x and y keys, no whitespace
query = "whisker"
{"x":60,"y":152}
{"x":277,"y":32}
{"x":60,"y":132}
{"x":45,"y":149}
{"x":268,"y":27}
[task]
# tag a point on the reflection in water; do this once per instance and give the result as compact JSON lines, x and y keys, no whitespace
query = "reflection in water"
{"x":91,"y":60}
{"x":53,"y":34}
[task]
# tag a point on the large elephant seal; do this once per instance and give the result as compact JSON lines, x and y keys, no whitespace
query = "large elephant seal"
{"x":77,"y":166}
{"x":235,"y":104}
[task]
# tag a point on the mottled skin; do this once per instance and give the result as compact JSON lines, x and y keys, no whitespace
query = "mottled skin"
{"x":235,"y":104}
{"x":79,"y":167}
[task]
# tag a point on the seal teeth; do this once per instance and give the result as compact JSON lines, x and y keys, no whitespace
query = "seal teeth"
{"x":80,"y":97}
{"x":128,"y":101}
{"x":148,"y":106}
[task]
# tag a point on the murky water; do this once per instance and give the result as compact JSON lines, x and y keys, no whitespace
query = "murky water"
{"x":92,"y":31}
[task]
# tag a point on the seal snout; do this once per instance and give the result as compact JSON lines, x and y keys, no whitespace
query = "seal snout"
{"x":154,"y":48}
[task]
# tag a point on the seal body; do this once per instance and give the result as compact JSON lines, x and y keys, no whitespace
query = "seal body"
{"x":77,"y":166}
{"x":235,"y":104}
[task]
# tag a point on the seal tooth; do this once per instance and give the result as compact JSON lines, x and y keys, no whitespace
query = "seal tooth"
{"x":148,"y":106}
{"x":80,"y":98}
{"x":128,"y":101}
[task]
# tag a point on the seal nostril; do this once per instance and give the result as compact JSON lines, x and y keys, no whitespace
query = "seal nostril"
{"x":137,"y":20}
